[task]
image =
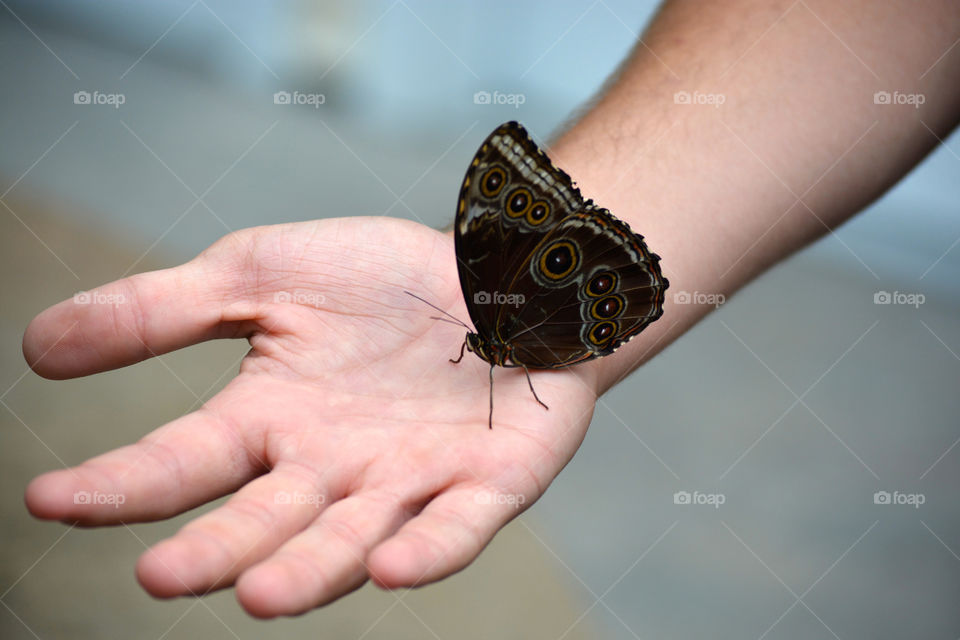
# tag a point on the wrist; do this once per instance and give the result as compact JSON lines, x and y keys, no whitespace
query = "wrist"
{"x":638,"y":187}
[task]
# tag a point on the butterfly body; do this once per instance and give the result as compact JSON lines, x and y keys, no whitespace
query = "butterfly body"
{"x":493,"y":351}
{"x":550,"y":279}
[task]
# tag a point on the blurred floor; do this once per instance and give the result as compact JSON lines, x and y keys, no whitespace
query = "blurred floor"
{"x":60,"y":582}
{"x":796,"y":403}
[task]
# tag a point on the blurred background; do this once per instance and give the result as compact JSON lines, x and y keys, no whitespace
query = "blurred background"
{"x":787,"y":470}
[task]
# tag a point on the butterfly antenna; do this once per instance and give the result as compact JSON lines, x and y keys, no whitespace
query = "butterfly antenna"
{"x":445,"y":320}
{"x":429,"y":304}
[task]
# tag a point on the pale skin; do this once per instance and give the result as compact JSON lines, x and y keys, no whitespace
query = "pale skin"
{"x":352,"y":403}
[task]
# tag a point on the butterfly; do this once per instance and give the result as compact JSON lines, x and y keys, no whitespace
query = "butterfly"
{"x":550,"y":279}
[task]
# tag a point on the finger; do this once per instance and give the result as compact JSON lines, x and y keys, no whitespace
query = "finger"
{"x":187,"y":462}
{"x":325,"y":561}
{"x":450,"y":532}
{"x":133,"y":319}
{"x":211,"y":551}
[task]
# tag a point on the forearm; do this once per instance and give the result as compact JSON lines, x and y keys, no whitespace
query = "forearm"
{"x":797,"y":146}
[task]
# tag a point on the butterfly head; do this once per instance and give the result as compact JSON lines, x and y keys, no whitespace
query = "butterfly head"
{"x":489,"y":350}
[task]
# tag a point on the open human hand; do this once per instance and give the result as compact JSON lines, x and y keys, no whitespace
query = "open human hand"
{"x":355,"y":448}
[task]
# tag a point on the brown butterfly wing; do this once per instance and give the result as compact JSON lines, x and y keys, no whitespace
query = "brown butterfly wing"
{"x":511,"y":196}
{"x":593,"y":285}
{"x":557,"y":279}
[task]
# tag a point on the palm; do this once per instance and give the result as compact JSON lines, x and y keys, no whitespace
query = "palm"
{"x":357,"y":448}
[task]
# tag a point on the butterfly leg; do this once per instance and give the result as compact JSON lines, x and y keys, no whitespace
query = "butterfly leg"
{"x":462,"y":347}
{"x":490,"y":421}
{"x":529,"y":382}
